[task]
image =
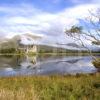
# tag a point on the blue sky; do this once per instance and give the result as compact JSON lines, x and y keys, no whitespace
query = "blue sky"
{"x":43,"y":17}
{"x":45,"y":5}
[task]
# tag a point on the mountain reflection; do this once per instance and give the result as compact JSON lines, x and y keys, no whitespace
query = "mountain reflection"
{"x":45,"y":65}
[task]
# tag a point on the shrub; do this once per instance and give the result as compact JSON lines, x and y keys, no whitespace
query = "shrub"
{"x":96,"y":63}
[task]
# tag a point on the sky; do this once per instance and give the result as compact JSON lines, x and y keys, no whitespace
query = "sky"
{"x":48,"y":18}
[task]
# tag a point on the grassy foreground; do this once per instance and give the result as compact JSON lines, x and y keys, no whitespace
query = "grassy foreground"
{"x":79,"y":87}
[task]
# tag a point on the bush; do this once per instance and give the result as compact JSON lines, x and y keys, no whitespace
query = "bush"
{"x":96,"y":63}
{"x":8,"y":50}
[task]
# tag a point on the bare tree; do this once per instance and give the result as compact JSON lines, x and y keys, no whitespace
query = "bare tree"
{"x":90,"y":33}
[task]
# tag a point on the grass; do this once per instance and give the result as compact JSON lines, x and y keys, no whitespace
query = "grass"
{"x":52,"y":53}
{"x":79,"y":87}
{"x":96,"y":63}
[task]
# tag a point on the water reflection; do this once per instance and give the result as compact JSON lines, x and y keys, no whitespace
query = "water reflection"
{"x":45,"y":65}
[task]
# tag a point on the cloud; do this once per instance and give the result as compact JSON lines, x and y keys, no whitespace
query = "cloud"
{"x":95,"y":1}
{"x":27,"y":19}
{"x":85,"y":1}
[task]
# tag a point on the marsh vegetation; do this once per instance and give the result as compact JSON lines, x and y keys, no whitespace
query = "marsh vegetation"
{"x":83,"y":87}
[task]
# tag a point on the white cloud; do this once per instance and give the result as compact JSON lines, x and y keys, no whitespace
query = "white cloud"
{"x":80,"y":11}
{"x":27,"y":19}
{"x":95,"y":1}
{"x":85,"y":1}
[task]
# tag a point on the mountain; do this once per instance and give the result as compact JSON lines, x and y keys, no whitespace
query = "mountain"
{"x":74,"y":45}
{"x":25,"y":39}
{"x":29,"y":39}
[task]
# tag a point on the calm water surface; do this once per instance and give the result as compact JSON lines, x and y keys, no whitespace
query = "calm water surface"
{"x":45,"y":65}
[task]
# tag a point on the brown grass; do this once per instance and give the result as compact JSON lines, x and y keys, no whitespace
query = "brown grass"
{"x":80,"y":87}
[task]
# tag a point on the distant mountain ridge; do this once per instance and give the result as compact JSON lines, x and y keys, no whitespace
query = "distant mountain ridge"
{"x":29,"y":39}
